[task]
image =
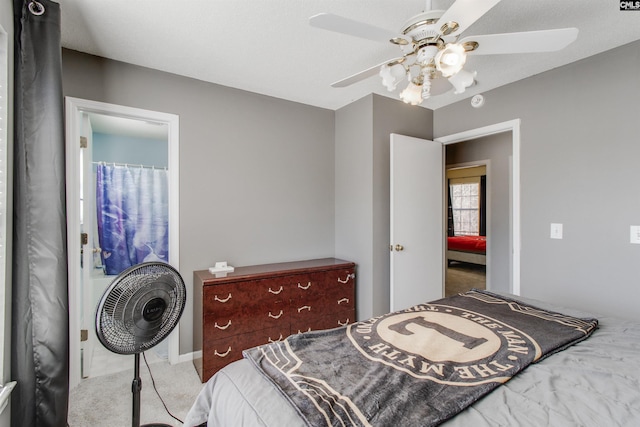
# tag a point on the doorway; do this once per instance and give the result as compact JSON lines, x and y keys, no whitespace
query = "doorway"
{"x":107,"y":138}
{"x":504,"y":270}
{"x":510,"y":258}
{"x":466,"y":227}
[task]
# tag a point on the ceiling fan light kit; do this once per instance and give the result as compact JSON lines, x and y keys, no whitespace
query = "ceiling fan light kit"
{"x":451,"y":59}
{"x":412,"y":94}
{"x":462,"y":80}
{"x":431,"y":49}
{"x":427,"y":58}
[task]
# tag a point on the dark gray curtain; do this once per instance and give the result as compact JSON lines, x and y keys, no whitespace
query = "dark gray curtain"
{"x":451,"y":231}
{"x":40,"y":338}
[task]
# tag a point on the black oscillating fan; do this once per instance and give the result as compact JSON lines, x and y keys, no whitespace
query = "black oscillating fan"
{"x":137,"y":311}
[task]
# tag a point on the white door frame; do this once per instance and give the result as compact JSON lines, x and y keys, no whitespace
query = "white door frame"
{"x":74,"y":109}
{"x":512,"y":126}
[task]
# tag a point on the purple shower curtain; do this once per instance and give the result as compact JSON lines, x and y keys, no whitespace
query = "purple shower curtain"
{"x":133,"y":216}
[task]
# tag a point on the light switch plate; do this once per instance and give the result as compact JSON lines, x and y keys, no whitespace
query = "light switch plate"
{"x":635,"y":234}
{"x":556,"y":231}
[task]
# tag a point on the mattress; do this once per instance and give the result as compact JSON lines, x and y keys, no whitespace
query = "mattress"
{"x":595,"y":382}
{"x":475,"y":244}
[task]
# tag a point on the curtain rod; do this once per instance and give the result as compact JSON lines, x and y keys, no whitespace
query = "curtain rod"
{"x":128,"y":165}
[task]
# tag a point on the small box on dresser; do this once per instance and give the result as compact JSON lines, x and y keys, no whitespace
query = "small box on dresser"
{"x":259,"y":304}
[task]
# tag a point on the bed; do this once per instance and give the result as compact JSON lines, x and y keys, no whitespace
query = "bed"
{"x":593,"y":381}
{"x":470,"y":249}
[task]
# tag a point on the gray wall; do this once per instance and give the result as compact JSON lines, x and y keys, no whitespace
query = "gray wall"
{"x":354,"y":196}
{"x":6,"y":21}
{"x":579,"y":167}
{"x":362,"y":189}
{"x":497,"y":150}
{"x":256,"y":173}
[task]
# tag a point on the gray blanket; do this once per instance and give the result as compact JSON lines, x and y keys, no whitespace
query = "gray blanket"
{"x":415,"y":367}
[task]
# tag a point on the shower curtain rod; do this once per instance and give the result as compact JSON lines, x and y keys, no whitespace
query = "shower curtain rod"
{"x":128,"y":165}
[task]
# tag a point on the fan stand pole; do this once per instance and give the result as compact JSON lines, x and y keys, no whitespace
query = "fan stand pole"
{"x":136,"y":386}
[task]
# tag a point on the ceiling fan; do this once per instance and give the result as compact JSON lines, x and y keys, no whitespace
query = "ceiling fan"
{"x":433,"y":54}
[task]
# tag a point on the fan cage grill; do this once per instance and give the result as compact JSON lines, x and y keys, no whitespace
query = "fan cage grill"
{"x":123,"y":322}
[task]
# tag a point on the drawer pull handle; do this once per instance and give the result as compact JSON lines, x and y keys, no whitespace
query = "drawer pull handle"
{"x":223,"y":327}
{"x":223,"y":300}
{"x":279,"y":339}
{"x":304,"y":287}
{"x":308,"y":330}
{"x":277,"y":316}
{"x":349,"y":276}
{"x":344,"y":300}
{"x":304,"y":307}
{"x":346,"y":322}
{"x":225,"y":354}
{"x":276,"y":292}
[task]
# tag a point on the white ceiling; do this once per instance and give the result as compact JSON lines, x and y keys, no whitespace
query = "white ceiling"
{"x":268,"y":47}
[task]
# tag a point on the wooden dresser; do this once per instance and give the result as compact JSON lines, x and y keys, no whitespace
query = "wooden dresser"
{"x":259,"y":304}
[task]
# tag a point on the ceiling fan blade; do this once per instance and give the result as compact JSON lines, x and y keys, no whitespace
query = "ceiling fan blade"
{"x":525,"y":42}
{"x":364,"y":74}
{"x":465,"y":13}
{"x":339,"y":24}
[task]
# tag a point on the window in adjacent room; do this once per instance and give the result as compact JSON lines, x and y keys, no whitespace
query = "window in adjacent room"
{"x":465,"y":203}
{"x":465,"y":193}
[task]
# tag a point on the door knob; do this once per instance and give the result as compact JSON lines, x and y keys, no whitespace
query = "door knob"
{"x":399,"y":248}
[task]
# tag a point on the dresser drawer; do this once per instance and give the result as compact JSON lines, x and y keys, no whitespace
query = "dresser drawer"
{"x":339,"y":298}
{"x":340,"y":319}
{"x":229,"y":299}
{"x":304,"y":287}
{"x":339,"y":277}
{"x":221,"y":352}
{"x":317,"y":323}
{"x":316,"y":286}
{"x":302,"y":316}
{"x":247,"y":318}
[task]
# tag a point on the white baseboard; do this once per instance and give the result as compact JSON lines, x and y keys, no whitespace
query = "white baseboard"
{"x":188,"y":357}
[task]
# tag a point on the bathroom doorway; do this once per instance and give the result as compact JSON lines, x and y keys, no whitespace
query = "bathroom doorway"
{"x":111,"y":150}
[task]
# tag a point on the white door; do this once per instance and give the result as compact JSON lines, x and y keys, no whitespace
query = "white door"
{"x":417,"y":221}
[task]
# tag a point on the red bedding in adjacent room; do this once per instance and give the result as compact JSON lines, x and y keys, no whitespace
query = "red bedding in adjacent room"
{"x":476,"y":244}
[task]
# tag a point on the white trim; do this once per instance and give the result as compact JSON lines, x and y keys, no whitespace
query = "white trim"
{"x":74,"y":108}
{"x":189,"y":357}
{"x":514,"y":127}
{"x":5,"y":317}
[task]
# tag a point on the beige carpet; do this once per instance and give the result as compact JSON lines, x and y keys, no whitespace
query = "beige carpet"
{"x":106,"y":401}
{"x":462,"y":276}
